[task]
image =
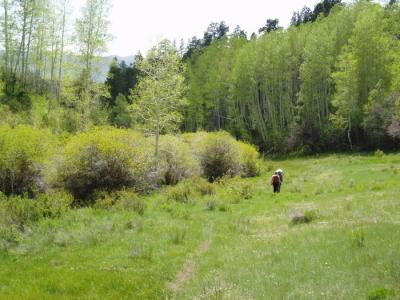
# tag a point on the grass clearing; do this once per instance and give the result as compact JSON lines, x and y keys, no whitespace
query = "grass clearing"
{"x":231,"y":240}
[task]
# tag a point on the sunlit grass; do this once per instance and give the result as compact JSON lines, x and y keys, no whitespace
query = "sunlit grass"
{"x":236,"y":243}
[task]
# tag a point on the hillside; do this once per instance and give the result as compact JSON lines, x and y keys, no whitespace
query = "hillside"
{"x":242,"y":242}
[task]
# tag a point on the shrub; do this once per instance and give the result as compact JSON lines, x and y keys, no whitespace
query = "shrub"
{"x":219,"y":155}
{"x":104,"y":200}
{"x":9,"y":236}
{"x":223,"y":206}
{"x":54,"y":204}
{"x":201,"y":186}
{"x":303,"y":218}
{"x":379,"y":153}
{"x":136,"y":225}
{"x":130,"y":201}
{"x":211,"y":204}
{"x":22,"y":153}
{"x":249,"y":160}
{"x":179,"y":193}
{"x":358,"y":238}
{"x":176,"y":160}
{"x":187,"y":190}
{"x":244,"y":190}
{"x":106,"y":159}
{"x":177,"y":235}
{"x":20,"y":211}
{"x":120,"y":200}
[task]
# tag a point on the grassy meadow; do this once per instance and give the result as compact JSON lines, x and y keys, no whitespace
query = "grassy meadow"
{"x":332,"y":233}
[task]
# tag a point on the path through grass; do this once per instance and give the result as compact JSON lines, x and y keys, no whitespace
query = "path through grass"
{"x":224,"y":246}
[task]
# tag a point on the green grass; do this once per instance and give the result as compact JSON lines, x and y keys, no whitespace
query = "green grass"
{"x":245,"y":247}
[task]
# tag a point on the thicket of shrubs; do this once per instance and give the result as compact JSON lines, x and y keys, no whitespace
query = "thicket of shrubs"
{"x":109,"y":159}
{"x":23,"y":151}
{"x":176,"y":160}
{"x":106,"y":159}
{"x":19,"y":210}
{"x":221,"y":155}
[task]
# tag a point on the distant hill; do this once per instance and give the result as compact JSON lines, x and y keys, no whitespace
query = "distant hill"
{"x":72,"y":65}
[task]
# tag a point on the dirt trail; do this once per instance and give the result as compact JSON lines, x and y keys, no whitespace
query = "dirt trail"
{"x":188,"y":270}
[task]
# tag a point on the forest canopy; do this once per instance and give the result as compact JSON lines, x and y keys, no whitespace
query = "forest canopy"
{"x":330,"y":81}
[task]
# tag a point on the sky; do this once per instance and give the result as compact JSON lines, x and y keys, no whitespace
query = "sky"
{"x":137,"y":25}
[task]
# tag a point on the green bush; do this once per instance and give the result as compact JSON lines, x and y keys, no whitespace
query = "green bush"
{"x":120,"y":200}
{"x":54,"y":204}
{"x":379,"y":153}
{"x":180,"y":193}
{"x":176,"y":161}
{"x":358,"y":238}
{"x":219,"y":155}
{"x":177,"y":235}
{"x":187,"y":190}
{"x":23,"y":151}
{"x":249,"y":160}
{"x":9,"y":236}
{"x":20,"y":211}
{"x":106,"y":159}
{"x":129,"y":201}
{"x":201,"y":186}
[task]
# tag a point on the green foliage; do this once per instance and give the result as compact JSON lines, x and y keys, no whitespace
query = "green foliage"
{"x":141,"y":249}
{"x":219,"y":155}
{"x":250,"y":160}
{"x":322,"y":85}
{"x":21,"y":211}
{"x":180,"y":193}
{"x":358,"y":238}
{"x":120,"y":115}
{"x":106,"y":159}
{"x":379,"y":153}
{"x":176,"y":161}
{"x":201,"y":186}
{"x":158,"y":96}
{"x":23,"y":151}
{"x":120,"y":79}
{"x":240,"y":189}
{"x":128,"y":201}
{"x":177,"y":235}
{"x":120,"y":200}
{"x":211,"y":204}
{"x":381,"y":294}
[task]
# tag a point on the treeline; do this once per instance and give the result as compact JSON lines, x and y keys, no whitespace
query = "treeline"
{"x":48,"y":55}
{"x":331,"y":81}
{"x":326,"y":83}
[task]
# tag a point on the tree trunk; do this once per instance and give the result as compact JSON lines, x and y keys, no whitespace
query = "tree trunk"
{"x":349,"y":135}
{"x":29,"y":44}
{"x":157,"y":133}
{"x":61,"y":52}
{"x":6,"y":45}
